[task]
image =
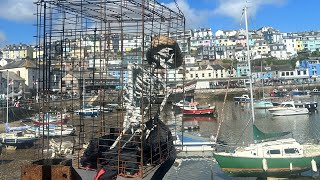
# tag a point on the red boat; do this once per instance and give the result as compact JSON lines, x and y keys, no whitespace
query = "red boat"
{"x":195,"y":109}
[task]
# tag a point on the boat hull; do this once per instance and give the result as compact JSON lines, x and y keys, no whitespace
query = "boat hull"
{"x":198,"y":111}
{"x":253,"y":167}
{"x":291,"y":112}
{"x":19,"y":143}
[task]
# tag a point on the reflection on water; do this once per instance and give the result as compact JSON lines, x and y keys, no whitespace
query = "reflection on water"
{"x":236,"y":129}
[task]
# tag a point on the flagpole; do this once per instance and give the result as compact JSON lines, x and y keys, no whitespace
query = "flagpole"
{"x":12,"y":92}
{"x":7,"y":96}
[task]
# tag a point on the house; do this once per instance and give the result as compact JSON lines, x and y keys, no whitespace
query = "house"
{"x":279,"y":51}
{"x":26,"y":69}
{"x":76,"y":81}
{"x":17,"y":51}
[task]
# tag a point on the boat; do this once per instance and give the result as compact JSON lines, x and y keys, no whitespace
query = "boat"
{"x":288,"y":108}
{"x":290,"y":111}
{"x":268,"y":155}
{"x":315,"y":91}
{"x":198,"y":118}
{"x":52,"y":130}
{"x":17,"y":139}
{"x":192,"y":143}
{"x":298,"y":93}
{"x":195,"y":108}
{"x":244,"y":98}
{"x":262,"y":104}
{"x":181,"y":104}
{"x":93,"y":112}
{"x":50,"y":118}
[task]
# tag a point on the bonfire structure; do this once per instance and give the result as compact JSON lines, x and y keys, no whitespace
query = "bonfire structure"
{"x":84,"y":39}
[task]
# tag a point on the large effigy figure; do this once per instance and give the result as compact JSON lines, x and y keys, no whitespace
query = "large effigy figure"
{"x":142,"y":126}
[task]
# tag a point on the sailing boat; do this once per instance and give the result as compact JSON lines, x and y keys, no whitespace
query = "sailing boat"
{"x":282,"y":157}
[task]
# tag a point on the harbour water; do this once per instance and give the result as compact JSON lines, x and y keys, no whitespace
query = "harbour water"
{"x":236,"y":130}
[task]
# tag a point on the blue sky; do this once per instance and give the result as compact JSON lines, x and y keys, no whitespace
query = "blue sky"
{"x":17,"y":19}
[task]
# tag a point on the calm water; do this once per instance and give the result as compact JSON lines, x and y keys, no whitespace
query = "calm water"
{"x":236,"y":130}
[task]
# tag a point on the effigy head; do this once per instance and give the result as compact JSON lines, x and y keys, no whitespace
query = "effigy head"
{"x":164,"y":52}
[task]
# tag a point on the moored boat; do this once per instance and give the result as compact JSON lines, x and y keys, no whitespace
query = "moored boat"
{"x":241,"y":99}
{"x":17,"y":139}
{"x":195,"y":108}
{"x":262,"y":104}
{"x":273,"y":158}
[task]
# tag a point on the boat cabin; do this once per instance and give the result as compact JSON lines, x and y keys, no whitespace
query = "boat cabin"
{"x":278,"y":148}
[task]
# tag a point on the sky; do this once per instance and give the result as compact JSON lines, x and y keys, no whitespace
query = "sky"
{"x":17,"y":19}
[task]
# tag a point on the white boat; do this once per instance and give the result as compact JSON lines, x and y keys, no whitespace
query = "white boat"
{"x":291,"y":111}
{"x":288,"y":108}
{"x":181,"y":104}
{"x":93,"y":112}
{"x":53,"y":130}
{"x":242,"y":99}
{"x":17,"y":139}
{"x":283,"y":106}
{"x":189,"y":143}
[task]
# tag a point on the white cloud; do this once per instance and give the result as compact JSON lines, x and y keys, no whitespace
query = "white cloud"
{"x":195,"y":18}
{"x":233,"y":8}
{"x":18,"y":10}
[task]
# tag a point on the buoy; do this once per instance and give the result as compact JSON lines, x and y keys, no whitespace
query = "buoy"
{"x":264,"y":164}
{"x":314,"y":165}
{"x":290,"y":166}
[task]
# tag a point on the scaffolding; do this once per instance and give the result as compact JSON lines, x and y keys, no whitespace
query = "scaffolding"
{"x":77,"y":42}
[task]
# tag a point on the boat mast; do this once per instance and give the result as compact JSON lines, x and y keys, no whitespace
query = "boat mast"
{"x":249,"y":63}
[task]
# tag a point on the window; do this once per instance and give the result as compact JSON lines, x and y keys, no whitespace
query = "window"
{"x":209,"y":74}
{"x":291,"y":73}
{"x":196,"y":75}
{"x":287,"y":73}
{"x":299,"y":72}
{"x":291,"y":151}
{"x":202,"y":74}
{"x":274,"y":151}
{"x":191,"y":75}
{"x":282,"y":74}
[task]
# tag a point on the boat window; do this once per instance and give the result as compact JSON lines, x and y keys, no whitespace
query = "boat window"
{"x":274,"y":151}
{"x":291,"y":151}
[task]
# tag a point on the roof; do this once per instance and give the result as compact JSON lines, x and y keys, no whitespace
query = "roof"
{"x":19,"y":64}
{"x":12,"y":76}
{"x":217,"y":66}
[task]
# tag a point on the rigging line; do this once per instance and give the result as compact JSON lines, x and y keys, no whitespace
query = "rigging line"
{"x":223,"y":106}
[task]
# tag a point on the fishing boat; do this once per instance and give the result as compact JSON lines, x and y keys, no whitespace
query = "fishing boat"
{"x":195,"y":108}
{"x":262,"y":158}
